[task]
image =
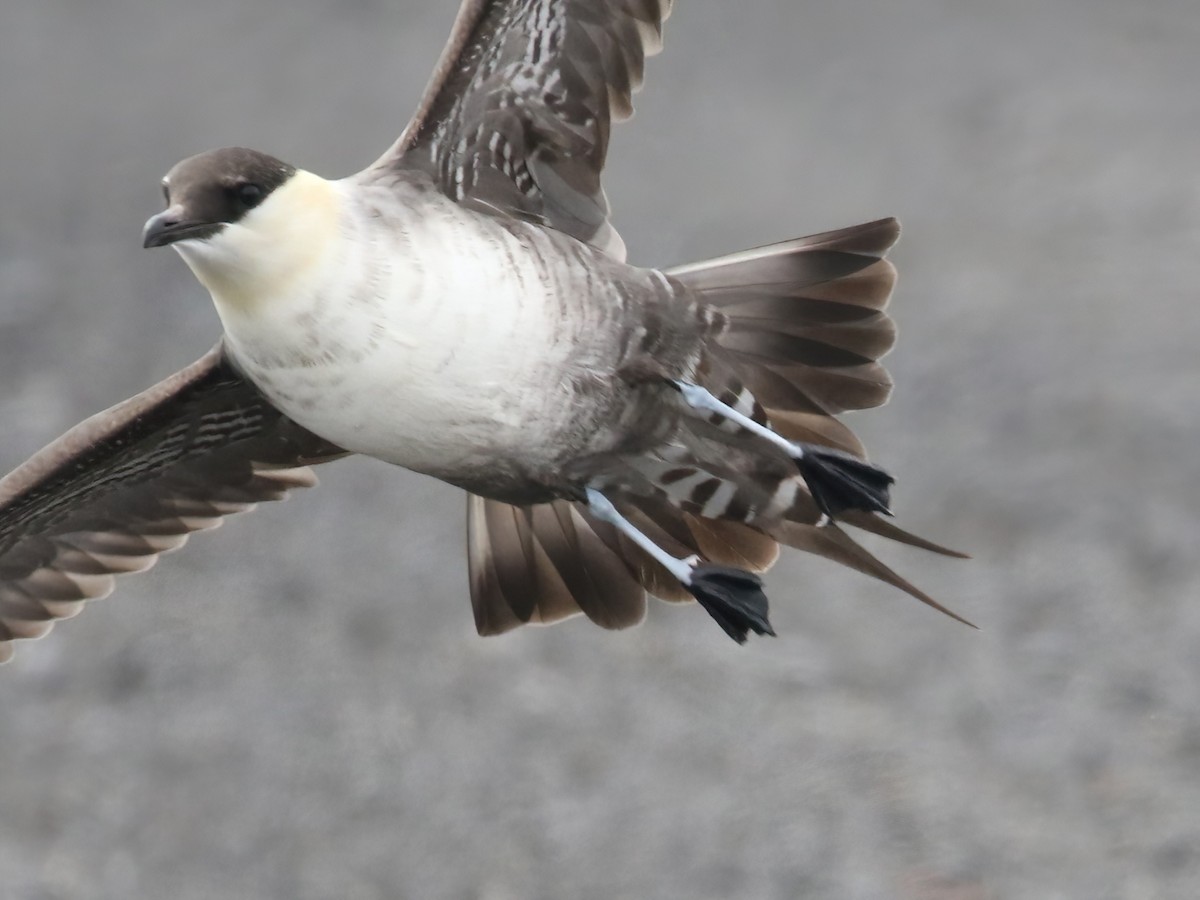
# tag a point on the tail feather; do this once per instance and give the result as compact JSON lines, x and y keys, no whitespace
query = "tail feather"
{"x":733,"y":543}
{"x":801,"y":329}
{"x":682,"y":534}
{"x":800,"y":262}
{"x":817,"y":428}
{"x":806,"y":313}
{"x":891,"y":531}
{"x":837,"y":345}
{"x":833,"y":543}
{"x":546,"y":563}
{"x":829,"y":390}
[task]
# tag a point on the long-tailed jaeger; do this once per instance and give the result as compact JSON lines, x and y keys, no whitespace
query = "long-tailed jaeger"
{"x":462,"y":308}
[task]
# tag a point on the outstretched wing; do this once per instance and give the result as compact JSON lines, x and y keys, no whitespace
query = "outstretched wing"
{"x":517,"y":115}
{"x":134,"y":481}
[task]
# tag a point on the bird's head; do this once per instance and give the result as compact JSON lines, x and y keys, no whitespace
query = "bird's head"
{"x":244,"y":221}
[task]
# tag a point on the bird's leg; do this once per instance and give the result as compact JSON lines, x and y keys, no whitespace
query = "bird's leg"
{"x":838,"y":481}
{"x":732,"y":596}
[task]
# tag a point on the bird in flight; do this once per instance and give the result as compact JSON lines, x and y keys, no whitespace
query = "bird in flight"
{"x":462,"y":307}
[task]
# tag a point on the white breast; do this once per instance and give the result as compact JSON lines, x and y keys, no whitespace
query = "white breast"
{"x":424,"y":335}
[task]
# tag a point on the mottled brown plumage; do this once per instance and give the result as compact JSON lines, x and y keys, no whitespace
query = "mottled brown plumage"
{"x":133,"y":482}
{"x":513,"y":130}
{"x":802,"y":326}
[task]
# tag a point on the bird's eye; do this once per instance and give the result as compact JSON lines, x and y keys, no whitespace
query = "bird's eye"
{"x":249,"y":194}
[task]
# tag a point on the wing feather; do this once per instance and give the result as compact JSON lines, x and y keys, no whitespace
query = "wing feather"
{"x":517,"y":115}
{"x":547,"y":562}
{"x":543,"y":564}
{"x":131,"y":483}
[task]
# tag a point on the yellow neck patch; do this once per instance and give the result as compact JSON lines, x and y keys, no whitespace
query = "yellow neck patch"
{"x":273,"y":250}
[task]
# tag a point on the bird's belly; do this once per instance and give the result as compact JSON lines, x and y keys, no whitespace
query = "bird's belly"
{"x":496,"y":389}
{"x":452,"y":426}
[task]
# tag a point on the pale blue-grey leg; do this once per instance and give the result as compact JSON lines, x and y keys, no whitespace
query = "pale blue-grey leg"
{"x":600,"y":507}
{"x":703,"y":400}
{"x":837,"y":481}
{"x":732,"y":596}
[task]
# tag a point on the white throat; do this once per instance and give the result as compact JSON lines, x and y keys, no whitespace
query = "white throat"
{"x":276,"y":246}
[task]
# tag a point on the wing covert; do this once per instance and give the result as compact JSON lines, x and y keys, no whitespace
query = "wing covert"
{"x":517,"y":115}
{"x":133,"y":482}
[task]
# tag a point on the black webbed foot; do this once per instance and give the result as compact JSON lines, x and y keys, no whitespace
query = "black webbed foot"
{"x":733,"y":597}
{"x":839,"y":481}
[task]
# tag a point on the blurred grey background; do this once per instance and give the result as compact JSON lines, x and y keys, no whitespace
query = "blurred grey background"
{"x":296,"y":706}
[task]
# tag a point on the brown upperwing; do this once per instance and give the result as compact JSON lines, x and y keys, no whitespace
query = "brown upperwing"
{"x":134,"y":481}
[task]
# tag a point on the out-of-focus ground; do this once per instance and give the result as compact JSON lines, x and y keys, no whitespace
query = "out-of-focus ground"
{"x":297,"y":706}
